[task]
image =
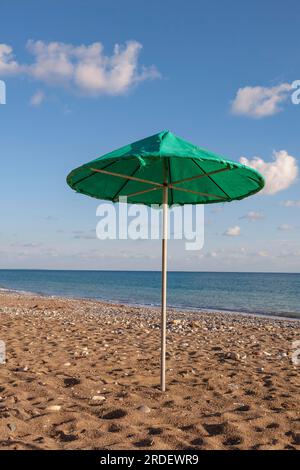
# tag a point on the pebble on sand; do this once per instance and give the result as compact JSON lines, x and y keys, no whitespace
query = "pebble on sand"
{"x":98,"y":398}
{"x":54,"y":408}
{"x":144,"y":409}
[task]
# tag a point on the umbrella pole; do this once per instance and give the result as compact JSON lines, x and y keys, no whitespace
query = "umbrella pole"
{"x":164,"y":290}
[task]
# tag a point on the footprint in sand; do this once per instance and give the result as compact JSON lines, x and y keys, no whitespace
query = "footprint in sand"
{"x":233,"y":441}
{"x":115,"y":428}
{"x":214,"y":429}
{"x":70,"y":382}
{"x":242,"y":408}
{"x":144,"y":443}
{"x":197,"y":442}
{"x":63,"y":437}
{"x":115,"y":414}
{"x":272,"y":426}
{"x":155,"y":431}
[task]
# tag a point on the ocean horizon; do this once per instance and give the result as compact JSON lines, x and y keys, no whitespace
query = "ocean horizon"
{"x":271,"y":294}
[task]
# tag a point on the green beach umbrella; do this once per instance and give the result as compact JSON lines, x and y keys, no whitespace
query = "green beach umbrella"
{"x":165,"y":169}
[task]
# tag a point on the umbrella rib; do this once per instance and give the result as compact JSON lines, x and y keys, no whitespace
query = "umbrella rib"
{"x":196,"y":192}
{"x":201,"y":176}
{"x":133,"y":178}
{"x":155,"y":188}
{"x":93,"y":174}
{"x":124,"y":184}
{"x":211,"y":179}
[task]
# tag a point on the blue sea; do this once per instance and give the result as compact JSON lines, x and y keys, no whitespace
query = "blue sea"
{"x":260,"y":293}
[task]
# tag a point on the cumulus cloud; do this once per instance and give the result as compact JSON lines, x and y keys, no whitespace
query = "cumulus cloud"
{"x":252,"y":216}
{"x":233,"y":231}
{"x":279,"y":173}
{"x":8,"y":66}
{"x":37,"y":98}
{"x":286,"y":227}
{"x":259,"y":102}
{"x":85,"y":68}
{"x":291,"y":203}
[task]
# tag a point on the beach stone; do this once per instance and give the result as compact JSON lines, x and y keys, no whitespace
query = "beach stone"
{"x":22,"y":369}
{"x":54,"y":408}
{"x":232,"y":355}
{"x":144,"y":409}
{"x":281,"y":355}
{"x":12,"y":427}
{"x":108,"y":381}
{"x":98,"y":398}
{"x":176,"y":321}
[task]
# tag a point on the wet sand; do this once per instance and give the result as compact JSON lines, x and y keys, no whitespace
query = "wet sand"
{"x":85,"y":375}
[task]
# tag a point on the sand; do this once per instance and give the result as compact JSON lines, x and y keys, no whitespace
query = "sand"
{"x":85,"y":375}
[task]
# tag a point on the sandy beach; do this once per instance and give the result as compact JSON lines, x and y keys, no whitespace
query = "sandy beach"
{"x":82,"y":374}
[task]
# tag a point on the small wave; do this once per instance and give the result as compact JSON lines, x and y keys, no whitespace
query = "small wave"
{"x":18,"y":291}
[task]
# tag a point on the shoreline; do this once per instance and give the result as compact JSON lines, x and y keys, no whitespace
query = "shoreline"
{"x":188,"y":310}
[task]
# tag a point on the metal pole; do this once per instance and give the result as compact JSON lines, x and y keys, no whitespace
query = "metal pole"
{"x":164,"y":289}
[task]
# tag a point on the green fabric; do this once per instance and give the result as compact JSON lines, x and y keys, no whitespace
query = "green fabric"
{"x":166,"y":154}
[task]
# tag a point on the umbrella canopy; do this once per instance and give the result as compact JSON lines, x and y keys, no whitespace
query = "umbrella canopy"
{"x":139,"y":171}
{"x":165,"y":169}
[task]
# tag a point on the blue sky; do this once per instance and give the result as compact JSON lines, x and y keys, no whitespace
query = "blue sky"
{"x":218,"y":74}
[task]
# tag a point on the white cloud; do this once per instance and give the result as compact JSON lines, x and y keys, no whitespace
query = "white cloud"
{"x":252,"y":216}
{"x":286,"y":227}
{"x":258,"y":102}
{"x":263,"y":254}
{"x":289,"y":254}
{"x":8,"y":66}
{"x":84,"y":69}
{"x":279,"y":174}
{"x":37,"y":98}
{"x":233,"y":231}
{"x":25,"y":245}
{"x":291,"y":203}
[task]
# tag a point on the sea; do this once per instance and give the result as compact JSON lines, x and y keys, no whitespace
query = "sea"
{"x":273,"y":294}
